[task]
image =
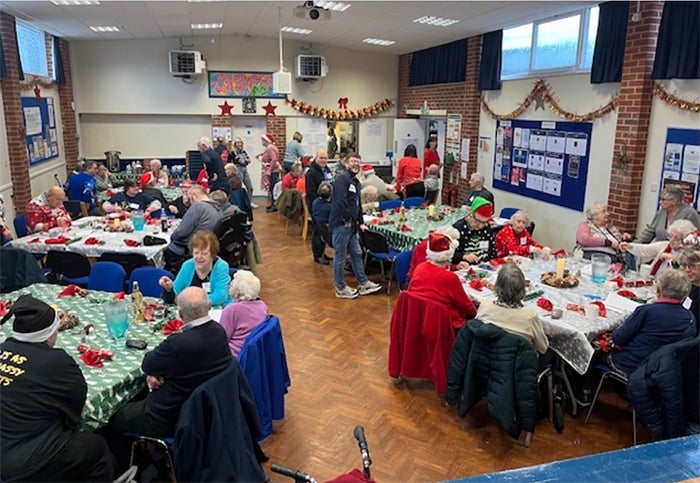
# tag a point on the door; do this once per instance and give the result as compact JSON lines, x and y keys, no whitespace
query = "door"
{"x":250,"y":130}
{"x":408,"y":131}
{"x":436,"y":127}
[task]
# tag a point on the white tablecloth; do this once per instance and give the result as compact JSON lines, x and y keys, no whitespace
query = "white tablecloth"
{"x":87,"y":227}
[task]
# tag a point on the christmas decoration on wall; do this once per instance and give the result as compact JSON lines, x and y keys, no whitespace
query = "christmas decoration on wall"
{"x":343,"y":103}
{"x":342,"y":114}
{"x":37,"y":92}
{"x":675,"y":101}
{"x":33,"y":82}
{"x":225,"y":109}
{"x":250,"y":105}
{"x":270,"y":109}
{"x":543,"y":91}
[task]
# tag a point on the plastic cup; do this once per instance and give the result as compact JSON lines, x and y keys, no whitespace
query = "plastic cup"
{"x":600,"y":266}
{"x":117,"y":318}
{"x":592,"y":312}
{"x":138,"y":220}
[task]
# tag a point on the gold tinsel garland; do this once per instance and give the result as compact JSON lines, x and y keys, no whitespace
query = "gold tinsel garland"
{"x":30,"y":82}
{"x":542,"y":89}
{"x":675,"y":101}
{"x":340,"y":114}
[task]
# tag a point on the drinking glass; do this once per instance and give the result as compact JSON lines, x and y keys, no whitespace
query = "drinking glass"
{"x":600,"y":264}
{"x":117,"y":318}
{"x":138,"y":220}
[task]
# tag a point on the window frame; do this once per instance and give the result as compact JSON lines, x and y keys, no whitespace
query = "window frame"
{"x":49,"y":60}
{"x":584,"y":23}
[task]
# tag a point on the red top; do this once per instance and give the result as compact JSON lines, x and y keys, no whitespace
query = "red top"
{"x":429,"y":158}
{"x":510,"y":243}
{"x":289,"y":182}
{"x":444,"y":287}
{"x":203,"y":179}
{"x":409,"y":172}
{"x":38,"y":211}
{"x":420,"y":253}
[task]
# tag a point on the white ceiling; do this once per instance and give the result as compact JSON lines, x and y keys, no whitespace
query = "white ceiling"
{"x":378,"y":19}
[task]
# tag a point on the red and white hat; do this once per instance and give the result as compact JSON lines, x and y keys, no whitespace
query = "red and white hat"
{"x":268,"y":137}
{"x":367,"y":169}
{"x":440,"y":248}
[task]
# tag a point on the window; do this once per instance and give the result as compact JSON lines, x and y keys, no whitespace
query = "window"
{"x":554,"y":45}
{"x":32,"y":50}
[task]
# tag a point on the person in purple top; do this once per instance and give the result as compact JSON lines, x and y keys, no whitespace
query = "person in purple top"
{"x":240,"y":318}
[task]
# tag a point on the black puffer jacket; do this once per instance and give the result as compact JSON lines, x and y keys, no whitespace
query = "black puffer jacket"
{"x":488,"y":361}
{"x":665,"y":390}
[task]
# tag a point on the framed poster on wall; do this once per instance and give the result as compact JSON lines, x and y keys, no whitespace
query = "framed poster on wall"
{"x":545,"y":160}
{"x":681,"y":166}
{"x":40,"y":129}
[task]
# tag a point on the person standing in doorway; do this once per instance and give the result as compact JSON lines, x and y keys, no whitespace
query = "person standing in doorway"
{"x":294,"y":152}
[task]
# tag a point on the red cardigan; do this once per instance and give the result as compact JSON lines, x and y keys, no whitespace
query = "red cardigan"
{"x":429,"y":158}
{"x":444,"y":287}
{"x":409,"y":172}
{"x":508,"y":243}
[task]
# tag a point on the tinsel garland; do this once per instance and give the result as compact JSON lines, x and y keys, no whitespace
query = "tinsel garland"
{"x":32,"y":81}
{"x":340,"y":114}
{"x":675,"y":101}
{"x":541,"y":88}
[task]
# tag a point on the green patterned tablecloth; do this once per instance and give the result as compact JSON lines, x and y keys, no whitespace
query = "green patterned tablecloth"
{"x":113,"y":385}
{"x":417,"y":221}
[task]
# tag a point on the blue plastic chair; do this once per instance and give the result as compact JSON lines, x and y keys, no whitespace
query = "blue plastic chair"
{"x":413,"y":202}
{"x":507,"y":212}
{"x":107,"y":276}
{"x":377,"y":247}
{"x":402,"y":262}
{"x":20,"y":223}
{"x":389,"y":204}
{"x":148,"y":277}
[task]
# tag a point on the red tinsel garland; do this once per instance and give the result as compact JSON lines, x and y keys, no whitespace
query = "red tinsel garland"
{"x":675,"y":101}
{"x":340,"y":114}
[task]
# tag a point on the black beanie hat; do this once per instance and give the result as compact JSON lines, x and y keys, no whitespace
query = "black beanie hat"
{"x":32,"y":319}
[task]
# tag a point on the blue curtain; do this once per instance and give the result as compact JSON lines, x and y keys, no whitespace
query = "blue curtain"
{"x":20,"y":72}
{"x":3,"y":65}
{"x":439,"y":65}
{"x":58,"y":60}
{"x":678,"y":45}
{"x":491,"y":55}
{"x":609,"y":52}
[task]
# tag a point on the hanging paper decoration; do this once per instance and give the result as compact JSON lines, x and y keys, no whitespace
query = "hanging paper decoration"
{"x":342,"y":114}
{"x":33,"y":82}
{"x":675,"y":101}
{"x":542,"y":89}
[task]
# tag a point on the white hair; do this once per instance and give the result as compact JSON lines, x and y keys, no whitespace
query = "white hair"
{"x":478,"y":177}
{"x":155,"y":164}
{"x":682,"y":227}
{"x":204,"y":141}
{"x":594,"y":209}
{"x":520,"y":213}
{"x":244,"y":286}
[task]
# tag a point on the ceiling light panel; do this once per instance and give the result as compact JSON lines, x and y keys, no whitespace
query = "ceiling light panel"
{"x":436,"y":21}
{"x":294,"y":30}
{"x":104,"y":28}
{"x":204,"y":26}
{"x":75,"y":2}
{"x":334,"y":6}
{"x":378,"y":41}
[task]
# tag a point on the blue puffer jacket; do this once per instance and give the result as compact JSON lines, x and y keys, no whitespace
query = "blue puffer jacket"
{"x":665,"y":390}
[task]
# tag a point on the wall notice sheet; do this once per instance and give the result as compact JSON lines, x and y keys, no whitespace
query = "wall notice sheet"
{"x":681,"y":163}
{"x":40,"y":133}
{"x":545,"y":160}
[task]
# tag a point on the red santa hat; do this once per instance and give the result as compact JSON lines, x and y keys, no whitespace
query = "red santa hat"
{"x":440,"y":248}
{"x":367,"y":169}
{"x":268,"y":137}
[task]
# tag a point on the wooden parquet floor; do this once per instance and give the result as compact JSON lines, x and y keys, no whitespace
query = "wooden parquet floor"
{"x":337,"y":356}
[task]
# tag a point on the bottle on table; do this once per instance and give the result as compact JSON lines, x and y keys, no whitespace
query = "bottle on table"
{"x":137,"y":302}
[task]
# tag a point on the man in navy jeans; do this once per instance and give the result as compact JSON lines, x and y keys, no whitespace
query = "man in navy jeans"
{"x":344,"y":222}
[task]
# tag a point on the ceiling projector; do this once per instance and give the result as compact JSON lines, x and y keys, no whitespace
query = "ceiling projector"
{"x":309,"y":12}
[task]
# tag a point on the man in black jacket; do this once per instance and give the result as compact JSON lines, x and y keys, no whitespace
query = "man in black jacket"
{"x":42,"y":400}
{"x":318,"y":172}
{"x":344,"y":222}
{"x":215,"y":166}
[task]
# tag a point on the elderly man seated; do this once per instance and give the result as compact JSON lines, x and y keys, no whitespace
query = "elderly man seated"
{"x":476,"y":183}
{"x":131,"y":199}
{"x":384,"y":191}
{"x":42,"y":400}
{"x":477,"y":242}
{"x":47,"y":211}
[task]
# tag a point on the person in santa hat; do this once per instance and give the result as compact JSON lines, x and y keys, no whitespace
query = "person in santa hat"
{"x":433,"y":280}
{"x":477,"y":242}
{"x":270,"y":167}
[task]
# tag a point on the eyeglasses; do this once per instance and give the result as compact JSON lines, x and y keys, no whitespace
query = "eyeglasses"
{"x":479,"y":222}
{"x":689,"y":266}
{"x":666,"y":199}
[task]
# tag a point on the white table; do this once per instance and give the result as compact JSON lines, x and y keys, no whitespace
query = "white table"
{"x":88,"y":227}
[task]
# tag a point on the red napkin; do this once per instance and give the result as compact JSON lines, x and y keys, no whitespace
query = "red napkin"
{"x":424,"y":205}
{"x":69,"y":291}
{"x":91,"y":358}
{"x":576,"y":308}
{"x":35,"y":240}
{"x":380,"y":214}
{"x":59,"y":240}
{"x":497,"y":262}
{"x":119,"y":296}
{"x":104,"y":354}
{"x":374,"y":221}
{"x":109,"y":193}
{"x":618,"y":280}
{"x":544,"y":303}
{"x":626,"y":293}
{"x":602,"y":311}
{"x":405,"y":227}
{"x":93,"y":241}
{"x":152,"y":221}
{"x":132,"y":243}
{"x":559,"y":253}
{"x":172,"y":326}
{"x":476,"y":284}
{"x":397,"y":209}
{"x":148,"y":314}
{"x":4,"y":307}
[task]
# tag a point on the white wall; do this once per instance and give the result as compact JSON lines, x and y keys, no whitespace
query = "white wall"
{"x":555,"y":225}
{"x":663,"y":117}
{"x":114,"y":79}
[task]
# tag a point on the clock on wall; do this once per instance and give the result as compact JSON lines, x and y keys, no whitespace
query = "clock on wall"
{"x":249,"y":105}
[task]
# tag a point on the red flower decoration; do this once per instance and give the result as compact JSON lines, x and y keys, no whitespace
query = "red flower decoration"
{"x":91,"y":358}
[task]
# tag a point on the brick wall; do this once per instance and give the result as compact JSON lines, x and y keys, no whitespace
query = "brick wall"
{"x":14,"y":124}
{"x":277,"y":126}
{"x":221,"y":121}
{"x":456,"y":98}
{"x":634,"y":111}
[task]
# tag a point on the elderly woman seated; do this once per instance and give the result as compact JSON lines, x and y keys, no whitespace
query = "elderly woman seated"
{"x":205,"y":269}
{"x":368,"y":199}
{"x":433,"y":280}
{"x":508,"y":312}
{"x":673,"y":208}
{"x":514,"y":239}
{"x":246,"y":313}
{"x":664,"y":253}
{"x":597,"y":235}
{"x":654,"y":325}
{"x":156,"y":177}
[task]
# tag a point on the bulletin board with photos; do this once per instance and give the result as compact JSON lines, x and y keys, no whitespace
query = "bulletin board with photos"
{"x":681,"y":164}
{"x":544,"y":160}
{"x":40,"y":134}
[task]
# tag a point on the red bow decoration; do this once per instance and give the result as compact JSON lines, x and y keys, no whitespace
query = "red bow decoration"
{"x":626,"y":293}
{"x":545,"y":304}
{"x":172,"y":326}
{"x":342,"y":103}
{"x":476,"y":284}
{"x":602,"y":311}
{"x":405,"y":227}
{"x":4,"y":307}
{"x":132,"y":243}
{"x":119,"y":296}
{"x":59,"y":240}
{"x":94,"y":241}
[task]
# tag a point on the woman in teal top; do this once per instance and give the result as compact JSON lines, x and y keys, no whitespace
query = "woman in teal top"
{"x":204,"y":269}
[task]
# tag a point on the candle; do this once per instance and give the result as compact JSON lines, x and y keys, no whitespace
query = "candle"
{"x":431,"y":210}
{"x":116,"y":223}
{"x":560,"y":267}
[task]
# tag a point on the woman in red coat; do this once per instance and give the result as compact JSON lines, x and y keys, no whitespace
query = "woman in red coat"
{"x":409,"y":176}
{"x":514,"y":239}
{"x":433,"y":280}
{"x":431,"y":155}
